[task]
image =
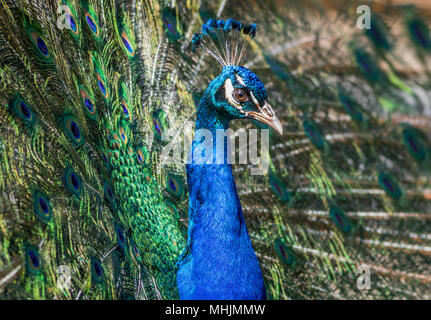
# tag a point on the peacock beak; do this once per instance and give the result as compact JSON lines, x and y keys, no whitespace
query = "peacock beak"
{"x":266,"y":115}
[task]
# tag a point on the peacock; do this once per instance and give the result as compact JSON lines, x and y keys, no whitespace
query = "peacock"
{"x":218,"y":241}
{"x":110,"y":187}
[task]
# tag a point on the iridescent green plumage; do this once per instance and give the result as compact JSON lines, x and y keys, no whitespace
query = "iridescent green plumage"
{"x":98,"y":182}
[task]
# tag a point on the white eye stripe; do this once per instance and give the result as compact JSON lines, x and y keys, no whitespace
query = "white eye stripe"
{"x":265,"y":109}
{"x":253,"y":98}
{"x":240,"y":80}
{"x":229,"y":95}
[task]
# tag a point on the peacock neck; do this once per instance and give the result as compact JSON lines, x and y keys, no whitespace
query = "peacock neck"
{"x":208,"y":160}
{"x":208,"y":118}
{"x":210,"y":179}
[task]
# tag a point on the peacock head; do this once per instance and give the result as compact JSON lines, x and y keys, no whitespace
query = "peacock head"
{"x":237,"y":93}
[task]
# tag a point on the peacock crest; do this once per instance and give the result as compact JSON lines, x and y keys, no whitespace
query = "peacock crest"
{"x":224,"y":40}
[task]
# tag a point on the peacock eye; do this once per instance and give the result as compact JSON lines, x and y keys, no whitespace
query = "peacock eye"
{"x":240,"y":95}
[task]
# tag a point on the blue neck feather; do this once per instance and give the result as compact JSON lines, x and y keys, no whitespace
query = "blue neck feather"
{"x":219,"y":261}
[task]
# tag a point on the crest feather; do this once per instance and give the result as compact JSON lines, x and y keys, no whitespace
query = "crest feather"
{"x":224,"y":40}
